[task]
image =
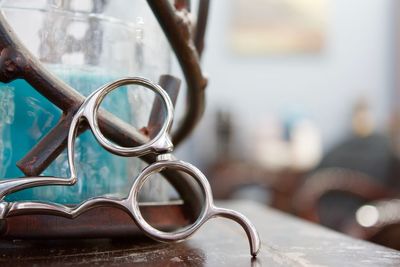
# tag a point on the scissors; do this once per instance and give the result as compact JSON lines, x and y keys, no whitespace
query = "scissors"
{"x":160,"y":144}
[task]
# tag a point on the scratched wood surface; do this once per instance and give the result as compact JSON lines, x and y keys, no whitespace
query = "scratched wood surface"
{"x":286,"y":241}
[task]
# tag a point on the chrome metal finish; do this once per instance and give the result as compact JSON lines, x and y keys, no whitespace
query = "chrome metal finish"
{"x":161,"y":144}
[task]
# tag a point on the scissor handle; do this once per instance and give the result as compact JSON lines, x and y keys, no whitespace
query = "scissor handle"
{"x":209,"y":209}
{"x":160,"y":143}
{"x":131,"y":206}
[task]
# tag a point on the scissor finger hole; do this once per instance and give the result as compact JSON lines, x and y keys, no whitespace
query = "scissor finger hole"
{"x":160,"y":196}
{"x":133,"y":102}
{"x":179,"y":227}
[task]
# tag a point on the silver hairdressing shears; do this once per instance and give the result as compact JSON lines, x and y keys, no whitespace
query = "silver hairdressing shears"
{"x":160,"y":144}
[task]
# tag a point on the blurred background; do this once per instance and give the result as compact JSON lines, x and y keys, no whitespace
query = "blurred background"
{"x":303,"y":111}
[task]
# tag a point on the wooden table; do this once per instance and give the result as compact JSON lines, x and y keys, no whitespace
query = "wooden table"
{"x":286,"y":241}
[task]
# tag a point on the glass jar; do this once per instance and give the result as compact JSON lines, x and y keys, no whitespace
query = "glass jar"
{"x":85,"y":43}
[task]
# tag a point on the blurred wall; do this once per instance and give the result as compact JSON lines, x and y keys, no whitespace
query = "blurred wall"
{"x":357,"y":60}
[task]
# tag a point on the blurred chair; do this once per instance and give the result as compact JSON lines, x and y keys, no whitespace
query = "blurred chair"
{"x":363,"y":167}
{"x":338,"y":182}
{"x":338,"y":198}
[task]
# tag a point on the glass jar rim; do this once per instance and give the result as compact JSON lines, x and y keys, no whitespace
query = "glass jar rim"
{"x":80,"y":15}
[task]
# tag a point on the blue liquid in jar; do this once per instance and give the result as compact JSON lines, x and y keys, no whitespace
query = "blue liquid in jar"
{"x":26,"y":116}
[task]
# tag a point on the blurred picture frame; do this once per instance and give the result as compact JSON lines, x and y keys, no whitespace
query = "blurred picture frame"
{"x":278,"y":27}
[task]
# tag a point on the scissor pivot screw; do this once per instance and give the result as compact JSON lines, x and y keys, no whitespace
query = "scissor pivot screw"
{"x":166,"y":156}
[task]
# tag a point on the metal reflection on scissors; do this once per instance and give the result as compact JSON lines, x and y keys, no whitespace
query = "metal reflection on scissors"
{"x":160,"y":144}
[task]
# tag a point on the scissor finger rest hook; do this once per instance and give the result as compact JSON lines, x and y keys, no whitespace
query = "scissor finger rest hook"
{"x":251,"y":232}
